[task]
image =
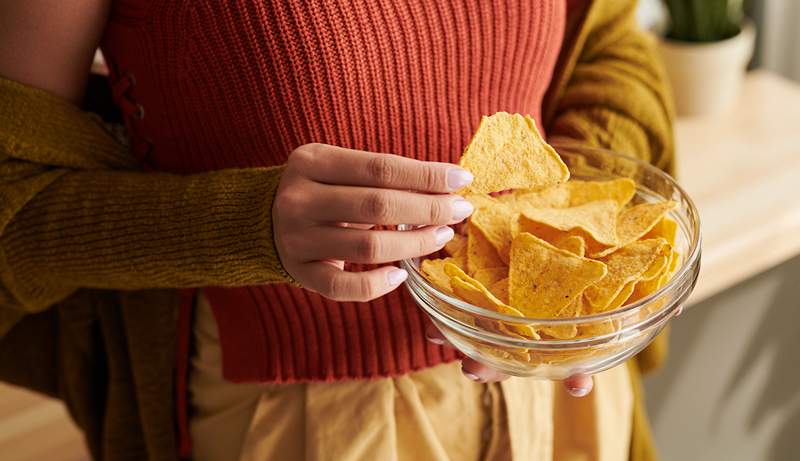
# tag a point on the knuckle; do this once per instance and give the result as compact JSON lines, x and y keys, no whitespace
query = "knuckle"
{"x":289,"y":200}
{"x":336,"y":288}
{"x":366,"y":289}
{"x":437,"y":212}
{"x":382,"y":169}
{"x":430,"y":179}
{"x":306,"y":154}
{"x":377,"y":207}
{"x":368,"y":247}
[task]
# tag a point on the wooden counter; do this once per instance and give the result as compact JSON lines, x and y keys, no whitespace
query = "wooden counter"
{"x":743,"y":170}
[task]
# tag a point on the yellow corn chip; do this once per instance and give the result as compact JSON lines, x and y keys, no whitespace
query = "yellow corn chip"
{"x":626,"y":265}
{"x":489,"y":276}
{"x":619,"y":190}
{"x":636,"y":221}
{"x":666,"y":229}
{"x":646,"y":287}
{"x":457,"y":246}
{"x":495,"y":224}
{"x":507,"y":152}
{"x":622,"y":297}
{"x":433,"y":271}
{"x":571,"y":194}
{"x":480,"y":252}
{"x":568,"y":331}
{"x":575,"y":244}
{"x":544,"y":279}
{"x":482,"y":201}
{"x":476,"y":294}
{"x":549,"y":197}
{"x":598,"y":219}
{"x":500,"y":289}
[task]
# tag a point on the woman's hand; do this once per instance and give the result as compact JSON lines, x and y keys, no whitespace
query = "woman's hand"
{"x":329,"y":198}
{"x":576,"y":385}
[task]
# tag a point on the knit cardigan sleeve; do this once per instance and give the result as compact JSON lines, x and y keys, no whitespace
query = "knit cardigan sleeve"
{"x":610,"y":91}
{"x":75,"y":213}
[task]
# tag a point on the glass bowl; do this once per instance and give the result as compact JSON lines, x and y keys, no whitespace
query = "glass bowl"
{"x":605,"y":340}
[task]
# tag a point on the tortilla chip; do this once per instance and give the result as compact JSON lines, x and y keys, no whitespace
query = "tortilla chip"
{"x":507,"y":152}
{"x":457,"y":246}
{"x":646,"y":287}
{"x":471,"y":291}
{"x":635,"y":222}
{"x":433,"y":271}
{"x":619,"y":190}
{"x":575,"y":244}
{"x":598,"y":219}
{"x":626,"y":265}
{"x":544,"y":279}
{"x":500,"y":289}
{"x":482,"y":201}
{"x":480,"y":252}
{"x":495,"y":224}
{"x":549,"y":197}
{"x":489,"y":276}
{"x":571,"y":194}
{"x":567,"y":331}
{"x":666,"y":229}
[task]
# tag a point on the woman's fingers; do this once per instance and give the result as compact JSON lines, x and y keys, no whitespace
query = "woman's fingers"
{"x":579,"y":385}
{"x":369,"y":246}
{"x":479,"y":372}
{"x":337,"y":165}
{"x":333,"y":283}
{"x":435,"y":336}
{"x":326,"y":203}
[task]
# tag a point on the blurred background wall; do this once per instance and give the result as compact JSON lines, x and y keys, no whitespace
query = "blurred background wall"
{"x":731,"y":389}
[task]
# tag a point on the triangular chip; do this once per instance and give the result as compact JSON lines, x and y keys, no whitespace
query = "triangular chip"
{"x":567,"y":331}
{"x":544,"y":279}
{"x":666,"y":229}
{"x":626,"y":265}
{"x":647,"y":287}
{"x":598,"y":219}
{"x":571,"y":194}
{"x":494,"y":224}
{"x":500,"y":289}
{"x":482,"y":201}
{"x":480,"y":252}
{"x":489,"y":276}
{"x":507,"y":152}
{"x":635,"y":222}
{"x":457,"y":246}
{"x":471,"y":291}
{"x":575,"y":244}
{"x":549,"y":197}
{"x":433,"y":271}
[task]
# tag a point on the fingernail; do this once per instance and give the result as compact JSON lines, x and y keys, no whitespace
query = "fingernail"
{"x":461,"y":209}
{"x":472,"y":376}
{"x":443,"y":235}
{"x":458,"y":178}
{"x":437,"y":341}
{"x":578,"y":391}
{"x":396,"y":276}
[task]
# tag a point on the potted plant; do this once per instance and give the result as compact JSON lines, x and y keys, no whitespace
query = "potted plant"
{"x":706,"y":49}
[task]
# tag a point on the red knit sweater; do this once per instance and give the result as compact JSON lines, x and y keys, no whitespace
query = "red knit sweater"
{"x":211,"y":84}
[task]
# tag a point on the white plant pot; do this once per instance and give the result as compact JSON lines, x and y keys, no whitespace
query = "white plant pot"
{"x":706,"y":77}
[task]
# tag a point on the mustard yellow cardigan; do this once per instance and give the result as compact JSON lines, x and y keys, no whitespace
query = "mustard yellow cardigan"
{"x":69,"y":191}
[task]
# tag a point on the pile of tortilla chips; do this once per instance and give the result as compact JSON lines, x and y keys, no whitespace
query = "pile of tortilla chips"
{"x":549,"y":247}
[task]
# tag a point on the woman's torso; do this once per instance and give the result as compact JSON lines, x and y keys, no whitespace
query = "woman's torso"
{"x":217,"y":84}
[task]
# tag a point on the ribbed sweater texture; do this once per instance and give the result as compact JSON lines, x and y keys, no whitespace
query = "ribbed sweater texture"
{"x":241,"y":84}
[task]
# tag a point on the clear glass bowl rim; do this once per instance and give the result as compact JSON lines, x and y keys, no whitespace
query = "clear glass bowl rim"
{"x":684,"y":272}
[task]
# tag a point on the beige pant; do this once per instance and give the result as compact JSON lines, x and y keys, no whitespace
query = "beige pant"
{"x":435,"y":414}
